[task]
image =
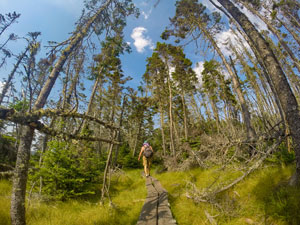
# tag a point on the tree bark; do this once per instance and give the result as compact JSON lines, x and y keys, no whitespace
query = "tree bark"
{"x":20,"y":177}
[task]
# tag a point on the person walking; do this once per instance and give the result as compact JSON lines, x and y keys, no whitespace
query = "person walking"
{"x":147,"y":153}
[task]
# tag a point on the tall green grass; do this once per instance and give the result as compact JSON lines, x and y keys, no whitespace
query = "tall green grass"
{"x":264,"y":197}
{"x":5,"y":193}
{"x":128,"y":193}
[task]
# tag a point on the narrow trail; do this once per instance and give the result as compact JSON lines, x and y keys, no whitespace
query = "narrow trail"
{"x":156,"y":210}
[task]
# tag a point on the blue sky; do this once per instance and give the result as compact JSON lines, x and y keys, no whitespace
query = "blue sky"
{"x":55,"y":19}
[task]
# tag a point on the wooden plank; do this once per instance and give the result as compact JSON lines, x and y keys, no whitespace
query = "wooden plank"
{"x":156,"y":209}
{"x":165,"y":216}
{"x":148,"y":214}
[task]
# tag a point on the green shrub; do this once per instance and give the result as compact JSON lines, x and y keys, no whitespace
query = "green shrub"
{"x":129,"y":161}
{"x":8,"y":151}
{"x":68,"y":170}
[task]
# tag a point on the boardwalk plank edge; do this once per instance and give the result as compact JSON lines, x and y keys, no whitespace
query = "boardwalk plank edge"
{"x":156,"y":209}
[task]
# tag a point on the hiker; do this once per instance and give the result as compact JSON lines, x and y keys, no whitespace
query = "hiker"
{"x":147,"y":152}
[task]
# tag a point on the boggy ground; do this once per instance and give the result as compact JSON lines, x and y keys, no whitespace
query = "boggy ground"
{"x":263,"y":197}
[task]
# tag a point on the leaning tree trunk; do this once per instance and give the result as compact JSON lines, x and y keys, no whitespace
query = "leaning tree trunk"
{"x":11,"y":75}
{"x":251,"y":77}
{"x":290,"y":30}
{"x":107,"y":166}
{"x":246,"y":117}
{"x":23,"y":156}
{"x":89,"y":109}
{"x":260,"y":61}
{"x":277,"y":34}
{"x":240,"y":95}
{"x":281,"y":85}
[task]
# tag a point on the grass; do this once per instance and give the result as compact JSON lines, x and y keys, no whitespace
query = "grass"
{"x":264,"y":197}
{"x":128,"y":195}
{"x":5,"y":192}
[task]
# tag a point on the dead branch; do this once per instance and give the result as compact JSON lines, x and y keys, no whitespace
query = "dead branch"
{"x":210,"y":218}
{"x":52,"y":132}
{"x":6,"y":167}
{"x":6,"y":174}
{"x":27,"y":118}
{"x":207,"y":196}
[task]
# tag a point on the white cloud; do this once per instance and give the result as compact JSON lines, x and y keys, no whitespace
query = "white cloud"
{"x":259,"y":24}
{"x":210,"y":6}
{"x":223,"y":39}
{"x":198,"y":70}
{"x":146,"y":14}
{"x":140,"y":40}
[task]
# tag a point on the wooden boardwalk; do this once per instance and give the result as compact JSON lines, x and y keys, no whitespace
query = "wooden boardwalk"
{"x":156,"y":210}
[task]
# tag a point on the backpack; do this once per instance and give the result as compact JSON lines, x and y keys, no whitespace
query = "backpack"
{"x":148,"y":152}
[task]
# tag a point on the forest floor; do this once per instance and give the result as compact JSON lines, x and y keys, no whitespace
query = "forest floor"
{"x":263,"y":197}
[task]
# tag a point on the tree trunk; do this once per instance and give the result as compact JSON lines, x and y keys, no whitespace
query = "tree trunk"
{"x":108,"y":162}
{"x":171,"y":116}
{"x":23,"y":156}
{"x":246,"y":116}
{"x":291,"y":31}
{"x":259,"y":58}
{"x":162,"y":128}
{"x":207,"y":110}
{"x":251,"y":77}
{"x":89,"y":109}
{"x":276,"y":33}
{"x":119,"y":137}
{"x":17,"y":209}
{"x":137,"y":136}
{"x":281,"y":85}
{"x":240,"y":95}
{"x":73,"y":84}
{"x":184,"y":116}
{"x":11,"y":75}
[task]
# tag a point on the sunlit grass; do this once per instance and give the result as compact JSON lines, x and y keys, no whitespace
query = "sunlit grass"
{"x":5,"y":192}
{"x":263,"y":197}
{"x":128,"y":195}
